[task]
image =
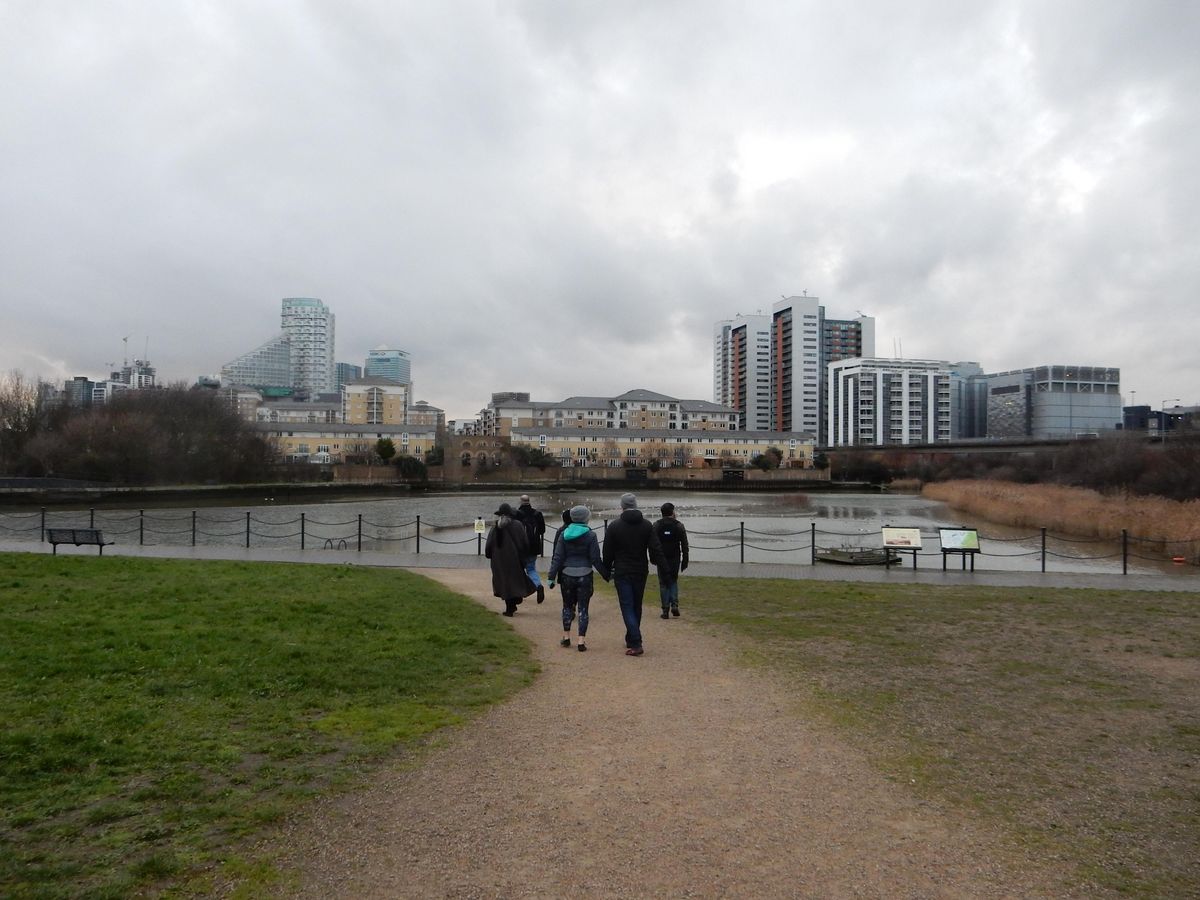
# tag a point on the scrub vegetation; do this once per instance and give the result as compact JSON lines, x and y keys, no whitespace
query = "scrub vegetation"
{"x":157,"y":713}
{"x":1173,"y":524}
{"x":1068,"y":716}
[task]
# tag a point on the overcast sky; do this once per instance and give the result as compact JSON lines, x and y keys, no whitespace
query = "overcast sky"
{"x":563,"y":197}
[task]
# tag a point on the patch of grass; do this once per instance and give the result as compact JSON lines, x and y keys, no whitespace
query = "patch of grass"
{"x":1071,"y":716}
{"x":157,"y":712}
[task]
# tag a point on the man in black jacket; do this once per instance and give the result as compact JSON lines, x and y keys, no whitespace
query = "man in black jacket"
{"x":630,"y":544}
{"x":535,"y":528}
{"x":673,"y":537}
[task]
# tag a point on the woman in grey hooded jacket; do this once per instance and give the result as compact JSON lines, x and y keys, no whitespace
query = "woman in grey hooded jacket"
{"x":576,"y":553}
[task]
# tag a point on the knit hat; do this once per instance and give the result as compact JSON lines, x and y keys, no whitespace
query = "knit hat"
{"x":628,"y":501}
{"x":580,"y":514}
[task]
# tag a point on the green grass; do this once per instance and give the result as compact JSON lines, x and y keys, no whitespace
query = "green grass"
{"x":157,"y":713}
{"x":1071,"y":717}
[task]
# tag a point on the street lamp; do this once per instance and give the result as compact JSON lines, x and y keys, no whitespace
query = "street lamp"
{"x":1163,"y":421}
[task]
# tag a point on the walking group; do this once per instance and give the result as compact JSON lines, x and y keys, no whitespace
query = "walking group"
{"x":631,"y":545}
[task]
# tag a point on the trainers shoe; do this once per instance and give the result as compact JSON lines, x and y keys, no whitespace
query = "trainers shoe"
{"x":634,"y":651}
{"x":583,"y":648}
{"x":675,"y":610}
{"x":565,"y":642}
{"x":541,"y":593}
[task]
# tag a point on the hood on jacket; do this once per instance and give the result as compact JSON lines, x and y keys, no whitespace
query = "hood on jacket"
{"x":575,"y":531}
{"x":631,"y":516}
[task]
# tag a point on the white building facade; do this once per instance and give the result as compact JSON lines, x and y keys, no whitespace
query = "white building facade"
{"x":877,"y":402}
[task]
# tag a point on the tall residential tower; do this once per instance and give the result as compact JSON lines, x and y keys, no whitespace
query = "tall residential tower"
{"x":772,"y":369}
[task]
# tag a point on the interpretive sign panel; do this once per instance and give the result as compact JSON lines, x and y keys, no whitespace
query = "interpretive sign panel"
{"x":959,"y":538}
{"x":902,"y":538}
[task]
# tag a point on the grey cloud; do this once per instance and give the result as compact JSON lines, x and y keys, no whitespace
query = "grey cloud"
{"x":1012,"y":182}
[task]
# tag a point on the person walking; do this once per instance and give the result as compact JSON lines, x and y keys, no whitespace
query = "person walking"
{"x":535,"y":529}
{"x":507,"y":548}
{"x":576,"y":553}
{"x":673,"y":538}
{"x":629,"y":545}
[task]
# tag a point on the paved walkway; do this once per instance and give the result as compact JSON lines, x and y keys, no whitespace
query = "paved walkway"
{"x":1187,"y":579}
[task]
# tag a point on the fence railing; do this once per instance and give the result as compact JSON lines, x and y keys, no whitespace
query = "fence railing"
{"x":304,"y":532}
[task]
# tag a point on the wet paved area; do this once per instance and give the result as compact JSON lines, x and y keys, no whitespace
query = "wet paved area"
{"x":1187,"y":580}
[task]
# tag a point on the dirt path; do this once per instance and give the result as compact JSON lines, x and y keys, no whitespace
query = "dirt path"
{"x":677,"y":774}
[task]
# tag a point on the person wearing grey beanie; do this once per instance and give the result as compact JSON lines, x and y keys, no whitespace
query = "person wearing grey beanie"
{"x":576,"y":553}
{"x":630,"y":544}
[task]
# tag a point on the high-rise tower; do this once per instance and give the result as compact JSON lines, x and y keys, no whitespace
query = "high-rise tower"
{"x":772,"y":368}
{"x":309,"y":327}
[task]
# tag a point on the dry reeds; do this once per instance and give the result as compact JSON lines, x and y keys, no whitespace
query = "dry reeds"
{"x":1079,"y":511}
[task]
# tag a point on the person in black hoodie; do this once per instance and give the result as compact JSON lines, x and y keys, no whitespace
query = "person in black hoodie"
{"x":673,"y":537}
{"x":630,"y":544}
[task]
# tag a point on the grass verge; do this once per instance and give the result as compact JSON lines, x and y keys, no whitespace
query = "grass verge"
{"x":1071,"y":716}
{"x":159,"y":712}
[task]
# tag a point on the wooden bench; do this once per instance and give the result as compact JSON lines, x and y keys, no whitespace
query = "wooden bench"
{"x":76,"y":536}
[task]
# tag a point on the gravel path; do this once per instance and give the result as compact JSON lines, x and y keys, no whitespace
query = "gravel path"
{"x":677,"y":774}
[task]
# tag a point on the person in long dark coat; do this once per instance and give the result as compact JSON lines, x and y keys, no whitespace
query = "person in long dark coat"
{"x":507,"y":548}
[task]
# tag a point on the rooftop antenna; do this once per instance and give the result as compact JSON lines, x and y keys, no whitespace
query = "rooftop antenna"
{"x":125,"y":341}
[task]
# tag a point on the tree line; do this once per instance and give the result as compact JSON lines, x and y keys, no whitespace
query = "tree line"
{"x":173,"y":435}
{"x":1122,"y":462}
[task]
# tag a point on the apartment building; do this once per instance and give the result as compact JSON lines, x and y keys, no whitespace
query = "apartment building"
{"x":375,"y":401}
{"x":301,"y":357}
{"x":772,"y":369}
{"x":680,"y":448}
{"x":742,"y":369}
{"x":876,"y":402}
{"x":333,"y":443}
{"x":636,"y":409}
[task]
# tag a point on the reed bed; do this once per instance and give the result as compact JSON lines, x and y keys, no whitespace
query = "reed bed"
{"x":1078,"y":511}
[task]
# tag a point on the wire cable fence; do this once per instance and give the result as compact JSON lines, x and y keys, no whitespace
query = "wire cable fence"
{"x":800,"y":546}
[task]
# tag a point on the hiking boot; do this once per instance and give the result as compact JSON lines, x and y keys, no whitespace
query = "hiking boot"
{"x":674,"y":611}
{"x":664,"y":615}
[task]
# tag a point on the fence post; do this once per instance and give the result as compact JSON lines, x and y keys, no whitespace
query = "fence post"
{"x":141,"y":527}
{"x":301,"y":531}
{"x":92,"y":518}
{"x":1043,"y":549}
{"x":813,"y":541}
{"x":479,"y":545}
{"x":360,"y":532}
{"x":43,"y":524}
{"x":1124,"y":551}
{"x":247,"y":529}
{"x":193,"y":528}
{"x":742,"y":541}
{"x":418,"y":534}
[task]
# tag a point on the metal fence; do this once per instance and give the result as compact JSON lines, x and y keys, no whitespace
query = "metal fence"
{"x":305,"y":532}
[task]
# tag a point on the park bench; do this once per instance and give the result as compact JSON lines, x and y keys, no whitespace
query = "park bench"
{"x":76,"y":536}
